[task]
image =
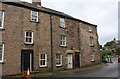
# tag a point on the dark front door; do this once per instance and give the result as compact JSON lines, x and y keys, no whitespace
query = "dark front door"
{"x":77,"y":60}
{"x":26,"y":60}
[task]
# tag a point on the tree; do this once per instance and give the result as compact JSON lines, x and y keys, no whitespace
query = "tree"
{"x":109,"y":43}
{"x":105,"y":53}
{"x":118,"y":51}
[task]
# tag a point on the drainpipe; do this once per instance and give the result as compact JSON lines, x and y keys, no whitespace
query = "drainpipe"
{"x":51,"y":40}
{"x":79,"y":41}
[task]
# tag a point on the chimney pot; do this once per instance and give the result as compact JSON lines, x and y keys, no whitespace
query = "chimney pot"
{"x":37,"y":2}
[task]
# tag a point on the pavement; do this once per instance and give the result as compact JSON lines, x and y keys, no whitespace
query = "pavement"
{"x":65,"y":72}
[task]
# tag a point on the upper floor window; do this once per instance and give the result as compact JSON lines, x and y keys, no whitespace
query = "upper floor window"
{"x":1,"y":52}
{"x":58,"y":59}
{"x":62,"y":22}
{"x":91,"y":41}
{"x":92,"y":57}
{"x":1,"y":19}
{"x":90,"y":28}
{"x":34,"y":16}
{"x":28,"y":37}
{"x":62,"y":40}
{"x":42,"y":60}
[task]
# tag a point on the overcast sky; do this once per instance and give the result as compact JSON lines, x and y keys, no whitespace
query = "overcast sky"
{"x":103,"y":13}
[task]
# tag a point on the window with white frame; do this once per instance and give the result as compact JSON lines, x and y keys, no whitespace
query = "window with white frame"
{"x":90,"y":28}
{"x":42,"y":60}
{"x":28,"y":37}
{"x":92,"y":57}
{"x":91,"y":41}
{"x":58,"y":59}
{"x":62,"y":40}
{"x":62,"y":22}
{"x":1,"y":52}
{"x":1,"y":19}
{"x":34,"y":16}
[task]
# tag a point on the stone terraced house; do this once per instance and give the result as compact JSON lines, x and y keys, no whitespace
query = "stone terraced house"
{"x":42,"y":39}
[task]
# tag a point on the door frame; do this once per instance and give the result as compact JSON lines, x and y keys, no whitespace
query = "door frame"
{"x":31,"y":59}
{"x":77,"y":54}
{"x":71,"y":60}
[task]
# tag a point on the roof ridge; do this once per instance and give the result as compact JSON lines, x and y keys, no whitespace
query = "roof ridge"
{"x":44,"y":9}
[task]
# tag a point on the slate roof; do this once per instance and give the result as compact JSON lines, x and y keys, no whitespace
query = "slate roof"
{"x":40,"y":8}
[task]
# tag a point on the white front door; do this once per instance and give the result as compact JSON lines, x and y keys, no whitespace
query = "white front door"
{"x":70,"y":65}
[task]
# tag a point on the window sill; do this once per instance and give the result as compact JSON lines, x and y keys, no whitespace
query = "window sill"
{"x":58,"y":65}
{"x":2,"y":62}
{"x":29,"y":43}
{"x":62,"y":27}
{"x":43,"y":66}
{"x":90,"y":31}
{"x":34,"y":21}
{"x":1,"y":29}
{"x":63,"y":46}
{"x":92,"y":60}
{"x":91,"y":45}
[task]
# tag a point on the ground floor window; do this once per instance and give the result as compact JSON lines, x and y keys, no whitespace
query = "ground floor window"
{"x":1,"y":52}
{"x":42,"y":60}
{"x":58,"y":59}
{"x":92,"y":57}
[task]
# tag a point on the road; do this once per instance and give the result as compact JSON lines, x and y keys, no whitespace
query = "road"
{"x":109,"y":70}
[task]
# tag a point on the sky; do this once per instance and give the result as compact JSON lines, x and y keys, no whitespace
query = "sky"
{"x":103,"y":13}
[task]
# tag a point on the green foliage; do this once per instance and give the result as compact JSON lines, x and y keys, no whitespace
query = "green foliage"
{"x":118,"y":51}
{"x":109,"y":43}
{"x":106,"y":52}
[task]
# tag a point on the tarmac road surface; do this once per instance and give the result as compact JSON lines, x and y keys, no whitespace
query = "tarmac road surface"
{"x":109,"y":70}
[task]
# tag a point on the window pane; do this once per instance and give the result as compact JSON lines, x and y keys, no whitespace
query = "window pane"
{"x":1,"y":18}
{"x":62,"y":22}
{"x":61,"y":37}
{"x":34,"y":13}
{"x":58,"y":59}
{"x":42,"y":56}
{"x":29,"y":37}
{"x":1,"y":14}
{"x":42,"y":59}
{"x":43,"y":62}
{"x":91,"y":40}
{"x":30,"y":34}
{"x":0,"y":23}
{"x":0,"y":57}
{"x":1,"y":47}
{"x":27,"y":33}
{"x":62,"y":40}
{"x":34,"y":17}
{"x":26,"y":40}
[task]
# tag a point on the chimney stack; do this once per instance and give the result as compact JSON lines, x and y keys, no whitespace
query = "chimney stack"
{"x":37,"y":2}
